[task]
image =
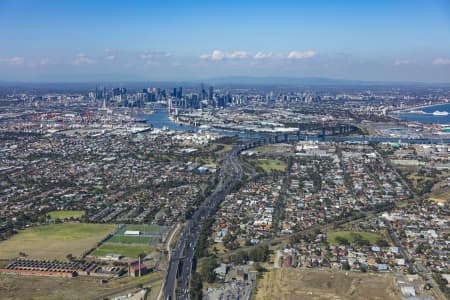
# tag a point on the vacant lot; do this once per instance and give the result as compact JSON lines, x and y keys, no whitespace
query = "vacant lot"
{"x":130,"y":251}
{"x":350,"y":236}
{"x":66,"y":214}
{"x":289,"y":284}
{"x":55,"y":241}
{"x":440,"y":196}
{"x":82,"y":287}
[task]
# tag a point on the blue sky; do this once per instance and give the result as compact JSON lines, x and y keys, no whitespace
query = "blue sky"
{"x":181,"y":40}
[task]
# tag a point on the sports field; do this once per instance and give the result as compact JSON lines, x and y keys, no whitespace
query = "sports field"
{"x":130,"y":251}
{"x":149,"y":235}
{"x":125,"y":239}
{"x":65,"y":214}
{"x":55,"y":241}
{"x":143,"y":228}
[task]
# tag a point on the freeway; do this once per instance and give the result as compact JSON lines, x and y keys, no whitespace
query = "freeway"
{"x":180,"y":264}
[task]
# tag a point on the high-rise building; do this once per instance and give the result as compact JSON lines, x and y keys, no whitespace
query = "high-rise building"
{"x":211,"y":93}
{"x":203,"y":94}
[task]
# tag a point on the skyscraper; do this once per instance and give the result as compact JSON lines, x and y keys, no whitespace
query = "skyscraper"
{"x":211,"y":93}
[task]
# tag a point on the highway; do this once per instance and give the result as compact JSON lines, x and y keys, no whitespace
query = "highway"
{"x":181,"y":260}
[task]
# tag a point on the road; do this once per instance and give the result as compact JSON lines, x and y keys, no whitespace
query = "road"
{"x":182,"y":256}
{"x":417,"y":266}
{"x":180,"y":265}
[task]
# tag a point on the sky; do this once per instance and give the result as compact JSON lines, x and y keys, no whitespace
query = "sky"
{"x":99,"y":40}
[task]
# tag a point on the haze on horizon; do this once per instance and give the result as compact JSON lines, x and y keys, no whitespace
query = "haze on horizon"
{"x":404,"y":40}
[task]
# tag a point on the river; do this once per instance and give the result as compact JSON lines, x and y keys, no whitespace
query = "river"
{"x":161,"y":119}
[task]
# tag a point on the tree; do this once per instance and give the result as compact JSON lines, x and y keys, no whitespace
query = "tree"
{"x":342,"y":241}
{"x":240,"y":257}
{"x":382,"y":243}
{"x":207,"y":271}
{"x":196,"y":287}
{"x":260,"y":253}
{"x":345,"y":266}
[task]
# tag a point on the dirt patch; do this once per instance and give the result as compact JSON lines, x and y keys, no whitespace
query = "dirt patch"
{"x":290,"y":284}
{"x":82,"y":287}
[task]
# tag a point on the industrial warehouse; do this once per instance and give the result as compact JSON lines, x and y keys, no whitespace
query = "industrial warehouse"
{"x":60,"y":269}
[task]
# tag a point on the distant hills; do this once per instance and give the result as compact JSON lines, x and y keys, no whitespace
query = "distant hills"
{"x":298,"y":81}
{"x":248,"y":80}
{"x":229,"y":81}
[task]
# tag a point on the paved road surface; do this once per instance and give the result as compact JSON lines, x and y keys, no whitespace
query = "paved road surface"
{"x":180,"y":265}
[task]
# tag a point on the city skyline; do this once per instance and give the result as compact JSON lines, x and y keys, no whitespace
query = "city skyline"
{"x":109,"y":41}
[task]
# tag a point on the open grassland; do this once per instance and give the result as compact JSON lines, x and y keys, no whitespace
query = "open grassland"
{"x":55,"y":241}
{"x":218,"y":148}
{"x":350,"y":236}
{"x":130,"y":251}
{"x":440,"y":196}
{"x":290,"y":284}
{"x":154,"y":291}
{"x":274,"y":150}
{"x":65,"y":214}
{"x":269,"y":165}
{"x":82,"y":287}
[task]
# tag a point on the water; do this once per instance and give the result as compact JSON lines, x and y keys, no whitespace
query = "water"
{"x":429,"y":117}
{"x":161,"y":119}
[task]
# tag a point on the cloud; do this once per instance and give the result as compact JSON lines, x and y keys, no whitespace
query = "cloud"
{"x":399,"y":62}
{"x":217,"y":55}
{"x":13,"y":60}
{"x":262,"y":55}
{"x":44,"y":61}
{"x":238,"y":54}
{"x":41,"y":62}
{"x":110,"y":57}
{"x":83,"y":59}
{"x":220,"y":55}
{"x":154,"y":54}
{"x":441,"y":61}
{"x":301,"y":55}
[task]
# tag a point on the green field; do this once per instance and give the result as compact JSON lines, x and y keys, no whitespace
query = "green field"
{"x":130,"y":251}
{"x":130,"y":239}
{"x":143,"y":228}
{"x":55,"y":241}
{"x":65,"y":214}
{"x":350,"y":236}
{"x":269,"y":165}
